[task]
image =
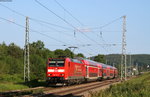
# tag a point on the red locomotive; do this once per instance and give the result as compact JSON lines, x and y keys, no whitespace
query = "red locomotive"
{"x":74,"y":71}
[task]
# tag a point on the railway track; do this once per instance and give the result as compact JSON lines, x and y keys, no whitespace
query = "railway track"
{"x":76,"y":90}
{"x":70,"y":91}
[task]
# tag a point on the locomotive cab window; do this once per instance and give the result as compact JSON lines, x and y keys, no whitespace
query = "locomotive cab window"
{"x":56,"y":62}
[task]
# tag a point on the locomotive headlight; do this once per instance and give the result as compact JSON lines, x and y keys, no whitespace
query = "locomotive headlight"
{"x":49,"y":74}
{"x":62,"y":74}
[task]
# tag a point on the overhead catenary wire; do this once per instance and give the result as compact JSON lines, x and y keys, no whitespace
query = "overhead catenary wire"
{"x":105,"y":26}
{"x":83,"y":45}
{"x":67,"y":22}
{"x":63,"y":19}
{"x":103,"y":31}
{"x":107,"y":23}
{"x":54,"y":13}
{"x":69,"y":13}
{"x":54,"y":25}
{"x":37,"y":20}
{"x":69,"y":36}
{"x":33,"y":30}
{"x":13,"y":10}
{"x":33,"y":19}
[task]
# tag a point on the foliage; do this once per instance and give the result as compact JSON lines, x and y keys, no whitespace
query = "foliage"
{"x":100,"y":58}
{"x":137,"y":87}
{"x":15,"y":51}
{"x":80,"y":55}
{"x":11,"y":86}
{"x":11,"y":59}
{"x":11,"y":78}
{"x":68,"y":53}
{"x":59,"y":52}
{"x":38,"y":45}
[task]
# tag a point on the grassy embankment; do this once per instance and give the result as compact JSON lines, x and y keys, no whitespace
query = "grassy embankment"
{"x":15,"y":82}
{"x":11,"y":82}
{"x":137,"y":87}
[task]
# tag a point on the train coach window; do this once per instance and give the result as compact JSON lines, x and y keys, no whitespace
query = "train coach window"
{"x":76,"y":60}
{"x":111,"y":74}
{"x":104,"y":74}
{"x":56,"y":63}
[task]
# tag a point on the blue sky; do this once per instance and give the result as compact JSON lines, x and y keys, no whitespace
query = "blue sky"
{"x":91,"y":13}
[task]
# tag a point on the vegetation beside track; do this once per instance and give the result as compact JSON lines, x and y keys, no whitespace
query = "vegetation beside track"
{"x":11,"y":82}
{"x":15,"y":82}
{"x":137,"y":87}
{"x":13,"y":85}
{"x":7,"y":86}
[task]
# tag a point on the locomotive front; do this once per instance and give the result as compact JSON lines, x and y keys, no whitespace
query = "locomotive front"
{"x":55,"y":70}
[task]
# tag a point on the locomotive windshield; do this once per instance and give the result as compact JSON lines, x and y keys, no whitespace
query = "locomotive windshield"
{"x":56,"y":62}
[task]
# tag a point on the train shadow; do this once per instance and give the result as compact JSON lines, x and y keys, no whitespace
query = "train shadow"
{"x":54,"y":95}
{"x":33,"y":83}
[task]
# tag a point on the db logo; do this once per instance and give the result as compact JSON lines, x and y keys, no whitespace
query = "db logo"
{"x":55,"y":70}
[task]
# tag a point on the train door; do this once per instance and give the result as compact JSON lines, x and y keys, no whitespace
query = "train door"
{"x":108,"y":73}
{"x":87,"y":73}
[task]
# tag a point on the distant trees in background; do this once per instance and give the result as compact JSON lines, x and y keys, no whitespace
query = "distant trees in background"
{"x":100,"y":58}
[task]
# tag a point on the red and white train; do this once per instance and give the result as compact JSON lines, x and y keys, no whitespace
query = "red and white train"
{"x":74,"y":71}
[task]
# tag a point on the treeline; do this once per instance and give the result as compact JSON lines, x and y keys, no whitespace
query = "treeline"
{"x":12,"y":59}
{"x":139,"y":61}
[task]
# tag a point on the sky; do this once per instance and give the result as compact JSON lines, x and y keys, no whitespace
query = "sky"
{"x":80,"y":23}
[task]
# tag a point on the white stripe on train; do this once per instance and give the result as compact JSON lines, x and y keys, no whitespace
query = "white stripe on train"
{"x":56,"y":70}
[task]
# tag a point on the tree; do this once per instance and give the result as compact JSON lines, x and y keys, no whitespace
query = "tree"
{"x":46,"y":53}
{"x":68,"y":53}
{"x":37,"y":67}
{"x":3,"y":49}
{"x":99,"y":58}
{"x":59,"y":52}
{"x":15,"y":51}
{"x":80,"y":55}
{"x":38,"y":45}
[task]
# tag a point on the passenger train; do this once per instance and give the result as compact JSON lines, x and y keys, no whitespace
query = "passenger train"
{"x":77,"y":70}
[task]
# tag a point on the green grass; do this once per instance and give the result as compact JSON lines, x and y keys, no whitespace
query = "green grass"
{"x":16,"y":82}
{"x":11,"y":82}
{"x":7,"y":86}
{"x":137,"y":87}
{"x":4,"y":87}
